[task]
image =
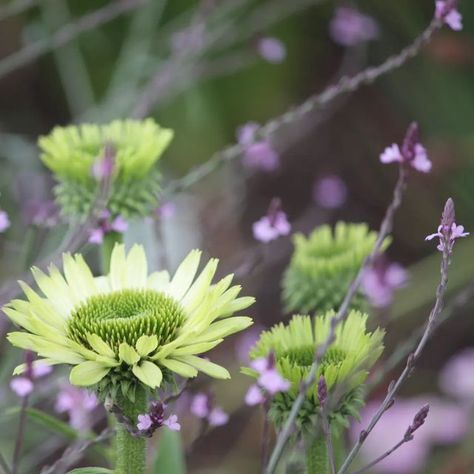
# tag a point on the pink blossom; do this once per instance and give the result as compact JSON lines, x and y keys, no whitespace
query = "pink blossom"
{"x":22,"y":386}
{"x":446,"y":10}
{"x":172,"y":423}
{"x":166,"y":210}
{"x":96,"y":236}
{"x":330,"y":192}
{"x":267,"y":229}
{"x":273,"y":382}
{"x":4,"y":221}
{"x":78,"y":404}
{"x":218,"y":417}
{"x":119,"y":224}
{"x":200,"y":405}
{"x":381,"y":280}
{"x":411,"y":152}
{"x":260,"y":365}
{"x":254,"y":396}
{"x":105,"y":226}
{"x":103,"y":167}
{"x":349,"y":27}
{"x":271,"y":49}
{"x":144,"y":422}
{"x":456,"y":376}
{"x":258,"y":154}
{"x":447,"y":237}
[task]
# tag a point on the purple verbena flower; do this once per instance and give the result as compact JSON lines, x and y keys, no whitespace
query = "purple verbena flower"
{"x":106,"y":225}
{"x":22,"y":386}
{"x":322,"y":391}
{"x":200,"y":405}
{"x":330,"y":192}
{"x":218,"y":417}
{"x":166,"y":210}
{"x":257,"y":154}
{"x":349,"y":27}
{"x":446,"y":10}
{"x":448,"y":230}
{"x":271,"y":49}
{"x":144,"y":422}
{"x":381,"y":280}
{"x":273,"y":225}
{"x":411,"y":153}
{"x":456,"y":379}
{"x":254,"y":396}
{"x":4,"y":221}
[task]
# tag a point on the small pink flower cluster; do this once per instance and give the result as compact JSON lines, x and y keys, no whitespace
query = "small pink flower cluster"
{"x":269,"y":381}
{"x":106,"y":225}
{"x":149,"y":422}
{"x":271,"y":49}
{"x":273,"y":225}
{"x":349,"y":27}
{"x":258,"y":154}
{"x":202,"y":407}
{"x":446,"y":10}
{"x":24,"y":384}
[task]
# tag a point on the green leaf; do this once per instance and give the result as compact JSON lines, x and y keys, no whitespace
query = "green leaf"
{"x":170,"y":454}
{"x":90,"y":470}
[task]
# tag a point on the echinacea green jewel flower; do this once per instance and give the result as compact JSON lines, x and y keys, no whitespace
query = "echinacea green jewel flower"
{"x":128,"y":328}
{"x":72,"y":152}
{"x":323,"y":266}
{"x":344,"y":367}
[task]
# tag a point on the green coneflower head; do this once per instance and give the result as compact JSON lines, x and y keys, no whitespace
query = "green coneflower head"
{"x":72,"y":152}
{"x":323,"y":266}
{"x":344,"y":367}
{"x":128,"y":327}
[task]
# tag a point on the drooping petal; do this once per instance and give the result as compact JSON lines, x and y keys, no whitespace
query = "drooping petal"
{"x":88,"y":373}
{"x":148,"y":373}
{"x":224,"y":327}
{"x":198,"y":289}
{"x":146,"y":344}
{"x":196,"y":348}
{"x":203,"y":365}
{"x":100,"y":346}
{"x":128,"y":354}
{"x":185,"y":370}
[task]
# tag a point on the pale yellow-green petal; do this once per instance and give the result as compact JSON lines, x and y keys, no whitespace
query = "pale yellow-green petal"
{"x":88,"y":373}
{"x":199,"y":288}
{"x":237,"y":305}
{"x":203,"y":365}
{"x":158,"y":281}
{"x":128,"y":354}
{"x":146,"y":344}
{"x":196,"y":348}
{"x":99,"y":345}
{"x":148,"y":373}
{"x":118,"y":268}
{"x":137,"y":268}
{"x":224,"y":327}
{"x":180,"y":368}
{"x":184,"y":275}
{"x":79,"y":277}
{"x":19,"y":369}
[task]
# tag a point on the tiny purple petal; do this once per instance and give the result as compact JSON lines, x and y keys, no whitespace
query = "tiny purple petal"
{"x":262,"y":156}
{"x":330,"y":192}
{"x":421,"y":161}
{"x":21,"y":386}
{"x":200,"y":405}
{"x":260,"y":365}
{"x":96,"y":236}
{"x":4,"y":221}
{"x":446,"y":11}
{"x":349,"y":27}
{"x":40,"y":369}
{"x":144,"y":422}
{"x":391,"y":154}
{"x":119,"y":224}
{"x":273,"y":382}
{"x":172,"y":423}
{"x":246,"y":133}
{"x":254,"y":396}
{"x":272,"y":50}
{"x":166,"y":210}
{"x":265,"y":230}
{"x":218,"y":417}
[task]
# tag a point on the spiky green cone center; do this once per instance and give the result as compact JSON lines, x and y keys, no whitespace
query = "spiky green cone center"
{"x":304,"y":356}
{"x":125,"y":316}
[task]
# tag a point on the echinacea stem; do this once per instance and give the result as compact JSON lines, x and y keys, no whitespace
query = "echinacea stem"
{"x":131,"y":450}
{"x":317,"y":461}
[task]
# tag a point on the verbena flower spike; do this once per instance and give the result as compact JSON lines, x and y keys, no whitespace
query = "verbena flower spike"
{"x":128,"y":327}
{"x":344,"y":367}
{"x":75,"y":154}
{"x":323,"y":266}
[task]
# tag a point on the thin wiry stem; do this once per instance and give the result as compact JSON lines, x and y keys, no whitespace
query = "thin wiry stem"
{"x":382,"y":457}
{"x":66,"y":34}
{"x":20,"y":436}
{"x":411,"y":361}
{"x":4,"y":465}
{"x":384,"y":231}
{"x":343,"y":86}
{"x":16,"y":7}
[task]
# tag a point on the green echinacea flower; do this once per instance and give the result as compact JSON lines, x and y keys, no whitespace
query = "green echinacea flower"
{"x":128,"y":327}
{"x":72,"y":152}
{"x":323,"y":265}
{"x":344,"y":367}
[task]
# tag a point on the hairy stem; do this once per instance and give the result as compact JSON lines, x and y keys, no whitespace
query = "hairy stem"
{"x":131,"y":450}
{"x":317,"y":455}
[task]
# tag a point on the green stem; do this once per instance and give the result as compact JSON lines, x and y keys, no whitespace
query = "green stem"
{"x":317,"y":456}
{"x":110,"y":239}
{"x":131,"y":451}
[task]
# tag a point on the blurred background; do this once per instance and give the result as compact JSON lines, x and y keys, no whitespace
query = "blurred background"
{"x":205,"y":69}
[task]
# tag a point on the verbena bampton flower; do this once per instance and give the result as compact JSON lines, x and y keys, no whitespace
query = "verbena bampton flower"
{"x":344,"y":367}
{"x":128,"y":327}
{"x":73,"y":152}
{"x":323,"y":266}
